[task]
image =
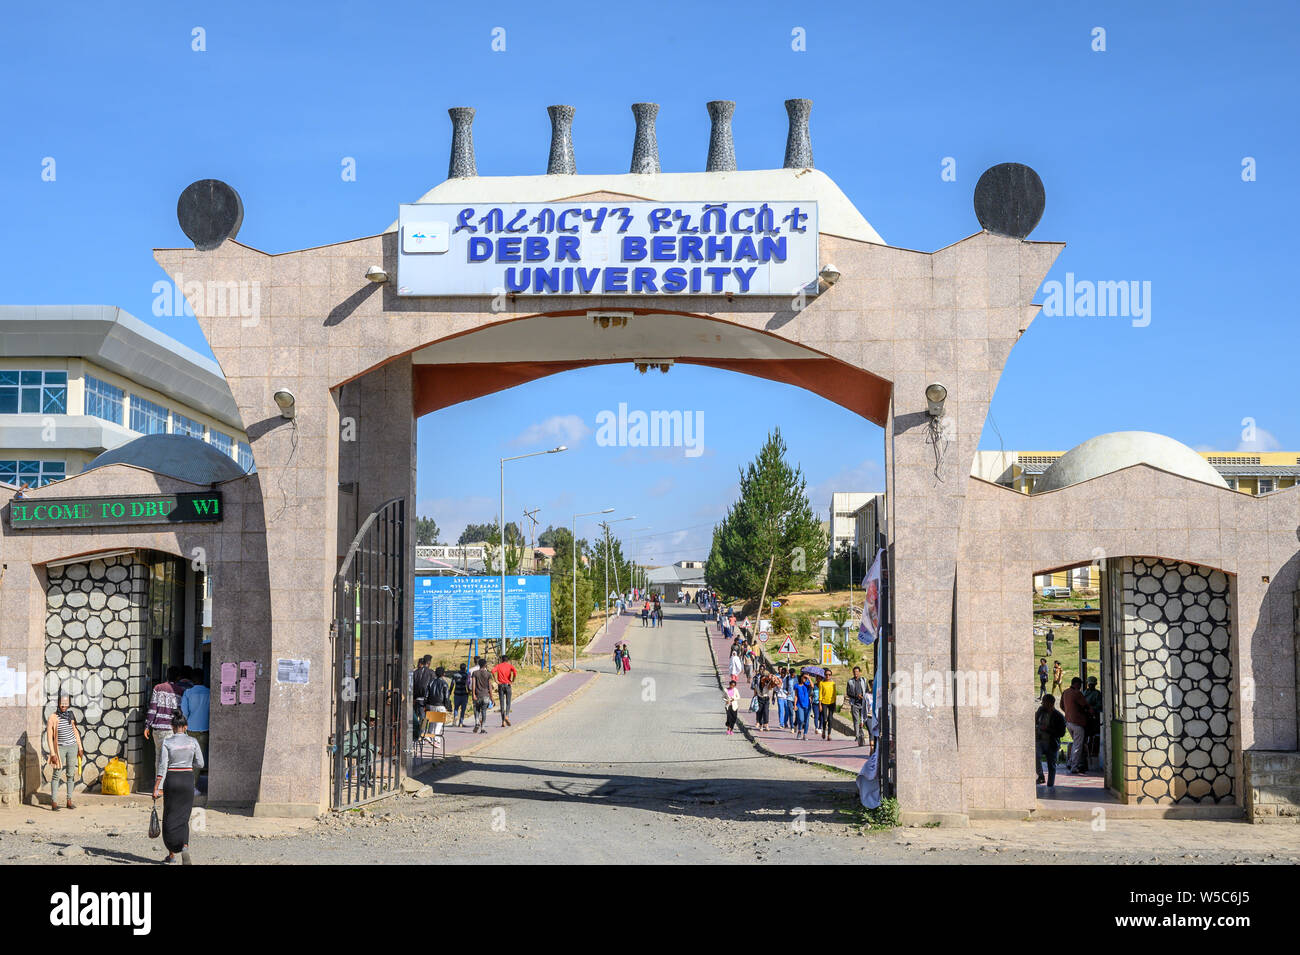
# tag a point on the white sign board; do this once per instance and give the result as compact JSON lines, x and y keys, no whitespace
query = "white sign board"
{"x":292,"y":671}
{"x":598,"y":249}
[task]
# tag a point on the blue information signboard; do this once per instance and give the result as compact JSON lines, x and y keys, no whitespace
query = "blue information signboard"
{"x":469,"y":608}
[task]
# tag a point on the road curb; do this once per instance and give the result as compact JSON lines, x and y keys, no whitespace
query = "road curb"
{"x":563,"y":701}
{"x":744,"y":727}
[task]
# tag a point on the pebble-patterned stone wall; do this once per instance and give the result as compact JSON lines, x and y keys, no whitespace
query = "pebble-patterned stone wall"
{"x":93,"y":654}
{"x":1179,"y":732}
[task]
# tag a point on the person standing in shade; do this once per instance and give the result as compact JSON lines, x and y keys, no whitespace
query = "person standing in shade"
{"x":164,"y":703}
{"x":505,"y":674}
{"x":1092,"y":696}
{"x":481,"y":682}
{"x":856,"y":692}
{"x":1049,"y":727}
{"x":1042,"y":676}
{"x":195,"y":703}
{"x":732,"y":697}
{"x":420,"y":681}
{"x":826,"y":697}
{"x":459,"y":695}
{"x":64,"y":741}
{"x":179,"y":761}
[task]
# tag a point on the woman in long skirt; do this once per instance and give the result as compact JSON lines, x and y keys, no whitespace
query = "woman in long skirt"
{"x":733,"y":705}
{"x":180,"y":762}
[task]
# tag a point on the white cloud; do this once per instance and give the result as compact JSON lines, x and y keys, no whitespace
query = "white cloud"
{"x":568,"y":429}
{"x":1263,"y":441}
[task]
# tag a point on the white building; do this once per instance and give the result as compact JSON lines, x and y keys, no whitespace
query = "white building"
{"x":843,"y":518}
{"x":78,"y":380}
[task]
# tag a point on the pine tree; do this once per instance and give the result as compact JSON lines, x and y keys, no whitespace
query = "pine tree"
{"x":771,"y":517}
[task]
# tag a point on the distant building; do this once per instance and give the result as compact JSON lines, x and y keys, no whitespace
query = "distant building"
{"x":868,"y":528}
{"x":79,"y":380}
{"x":685,"y":575}
{"x":843,"y":519}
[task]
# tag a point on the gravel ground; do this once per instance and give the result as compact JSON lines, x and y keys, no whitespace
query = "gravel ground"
{"x":637,"y":769}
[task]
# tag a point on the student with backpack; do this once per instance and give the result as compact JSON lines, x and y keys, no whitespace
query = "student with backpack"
{"x":460,"y":694}
{"x":1049,"y":727}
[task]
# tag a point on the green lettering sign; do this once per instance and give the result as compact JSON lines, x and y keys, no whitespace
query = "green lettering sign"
{"x":204,"y":507}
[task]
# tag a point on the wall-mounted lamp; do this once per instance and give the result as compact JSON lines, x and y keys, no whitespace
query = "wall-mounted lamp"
{"x":607,"y":319}
{"x":829,"y":275}
{"x":935,"y":395}
{"x":287,"y":403}
{"x":377,"y":275}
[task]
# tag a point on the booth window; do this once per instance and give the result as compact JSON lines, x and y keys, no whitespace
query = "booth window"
{"x":186,"y":426}
{"x":33,"y":392}
{"x":104,"y":400}
{"x":147,"y":417}
{"x":32,"y":473}
{"x":222,"y":442}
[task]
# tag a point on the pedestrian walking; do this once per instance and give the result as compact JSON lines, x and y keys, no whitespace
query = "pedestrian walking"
{"x":179,"y":761}
{"x":1058,"y":675}
{"x":803,"y":700}
{"x":856,"y":692}
{"x":505,"y":674}
{"x":826,"y":696}
{"x":195,"y":704}
{"x":764,"y":701}
{"x":1049,"y":727}
{"x":645,"y":614}
{"x":1042,"y":676}
{"x":618,"y":659}
{"x":481,"y":683}
{"x":438,"y":700}
{"x":460,"y":695}
{"x":732,"y":696}
{"x":735,"y":668}
{"x":63,"y":737}
{"x":164,"y":702}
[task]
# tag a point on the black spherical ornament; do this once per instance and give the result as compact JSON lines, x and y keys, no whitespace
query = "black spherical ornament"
{"x":1009,"y":199}
{"x":210,"y":212}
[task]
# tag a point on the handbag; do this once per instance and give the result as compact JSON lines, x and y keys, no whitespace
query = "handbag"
{"x":753,"y":705}
{"x":155,"y":827}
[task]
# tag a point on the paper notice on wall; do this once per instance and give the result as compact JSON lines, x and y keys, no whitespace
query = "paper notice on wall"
{"x":292,"y":671}
{"x":228,"y":694}
{"x":247,"y":670}
{"x":228,"y":674}
{"x":247,"y":691}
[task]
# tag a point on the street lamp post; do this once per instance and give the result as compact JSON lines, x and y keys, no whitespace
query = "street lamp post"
{"x":503,"y":461}
{"x":573,"y":544}
{"x":604,"y":602}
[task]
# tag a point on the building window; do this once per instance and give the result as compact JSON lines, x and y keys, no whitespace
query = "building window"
{"x":1265,"y":487}
{"x":33,"y":392}
{"x":147,"y":417}
{"x":222,"y":442}
{"x":246,"y":458}
{"x":104,"y":400}
{"x":31,"y":473}
{"x":186,"y":426}
{"x":1232,"y":483}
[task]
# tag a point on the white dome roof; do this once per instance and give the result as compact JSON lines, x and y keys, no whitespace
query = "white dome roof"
{"x":1121,"y":449}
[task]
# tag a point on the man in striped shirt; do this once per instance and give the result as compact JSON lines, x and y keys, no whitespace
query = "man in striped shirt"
{"x":165,"y":700}
{"x":65,"y":747}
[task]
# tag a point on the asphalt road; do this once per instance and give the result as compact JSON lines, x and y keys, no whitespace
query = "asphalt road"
{"x":635,"y":769}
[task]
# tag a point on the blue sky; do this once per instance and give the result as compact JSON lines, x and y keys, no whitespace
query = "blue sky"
{"x":1140,"y":148}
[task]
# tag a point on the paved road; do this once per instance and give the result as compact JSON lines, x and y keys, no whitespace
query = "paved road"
{"x":635,"y":769}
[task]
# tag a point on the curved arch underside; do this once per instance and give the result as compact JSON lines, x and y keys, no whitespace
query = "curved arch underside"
{"x":511,"y":353}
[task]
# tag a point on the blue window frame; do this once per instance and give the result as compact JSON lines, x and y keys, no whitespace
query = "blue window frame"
{"x":188,"y":426}
{"x":104,"y":400}
{"x":31,"y":473}
{"x":147,"y":417}
{"x":33,"y":392}
{"x":222,"y":442}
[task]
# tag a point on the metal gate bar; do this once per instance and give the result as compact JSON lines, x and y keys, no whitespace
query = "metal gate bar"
{"x":369,"y":684}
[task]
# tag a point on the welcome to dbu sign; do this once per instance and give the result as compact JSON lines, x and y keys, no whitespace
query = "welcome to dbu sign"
{"x":631,"y":248}
{"x":192,"y":508}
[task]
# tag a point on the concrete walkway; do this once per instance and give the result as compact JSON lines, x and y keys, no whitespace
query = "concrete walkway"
{"x":603,"y":645}
{"x":839,"y":752}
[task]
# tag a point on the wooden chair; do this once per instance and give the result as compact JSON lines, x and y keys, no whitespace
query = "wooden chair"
{"x":431,"y":731}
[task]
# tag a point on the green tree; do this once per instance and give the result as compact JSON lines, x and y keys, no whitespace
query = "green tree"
{"x":620,"y":568}
{"x":771,"y":517}
{"x":473,"y":533}
{"x":845,"y":649}
{"x":846,"y":565}
{"x":426,"y":530}
{"x":562,"y":588}
{"x":514,"y":548}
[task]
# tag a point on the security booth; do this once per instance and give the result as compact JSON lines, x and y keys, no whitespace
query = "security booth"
{"x":113,"y":577}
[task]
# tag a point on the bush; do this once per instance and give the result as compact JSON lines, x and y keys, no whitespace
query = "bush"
{"x":884,"y":816}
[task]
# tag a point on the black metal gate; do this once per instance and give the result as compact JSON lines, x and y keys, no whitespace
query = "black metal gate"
{"x":370,"y":731}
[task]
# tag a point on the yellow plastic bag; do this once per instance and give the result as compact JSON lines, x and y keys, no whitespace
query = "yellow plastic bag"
{"x":113,"y":781}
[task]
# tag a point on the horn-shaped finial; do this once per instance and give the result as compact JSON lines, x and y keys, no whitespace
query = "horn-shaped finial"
{"x":645,"y":147}
{"x":722,"y":148}
{"x":798,"y":143}
{"x":561,"y":161}
{"x":462,"y":143}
